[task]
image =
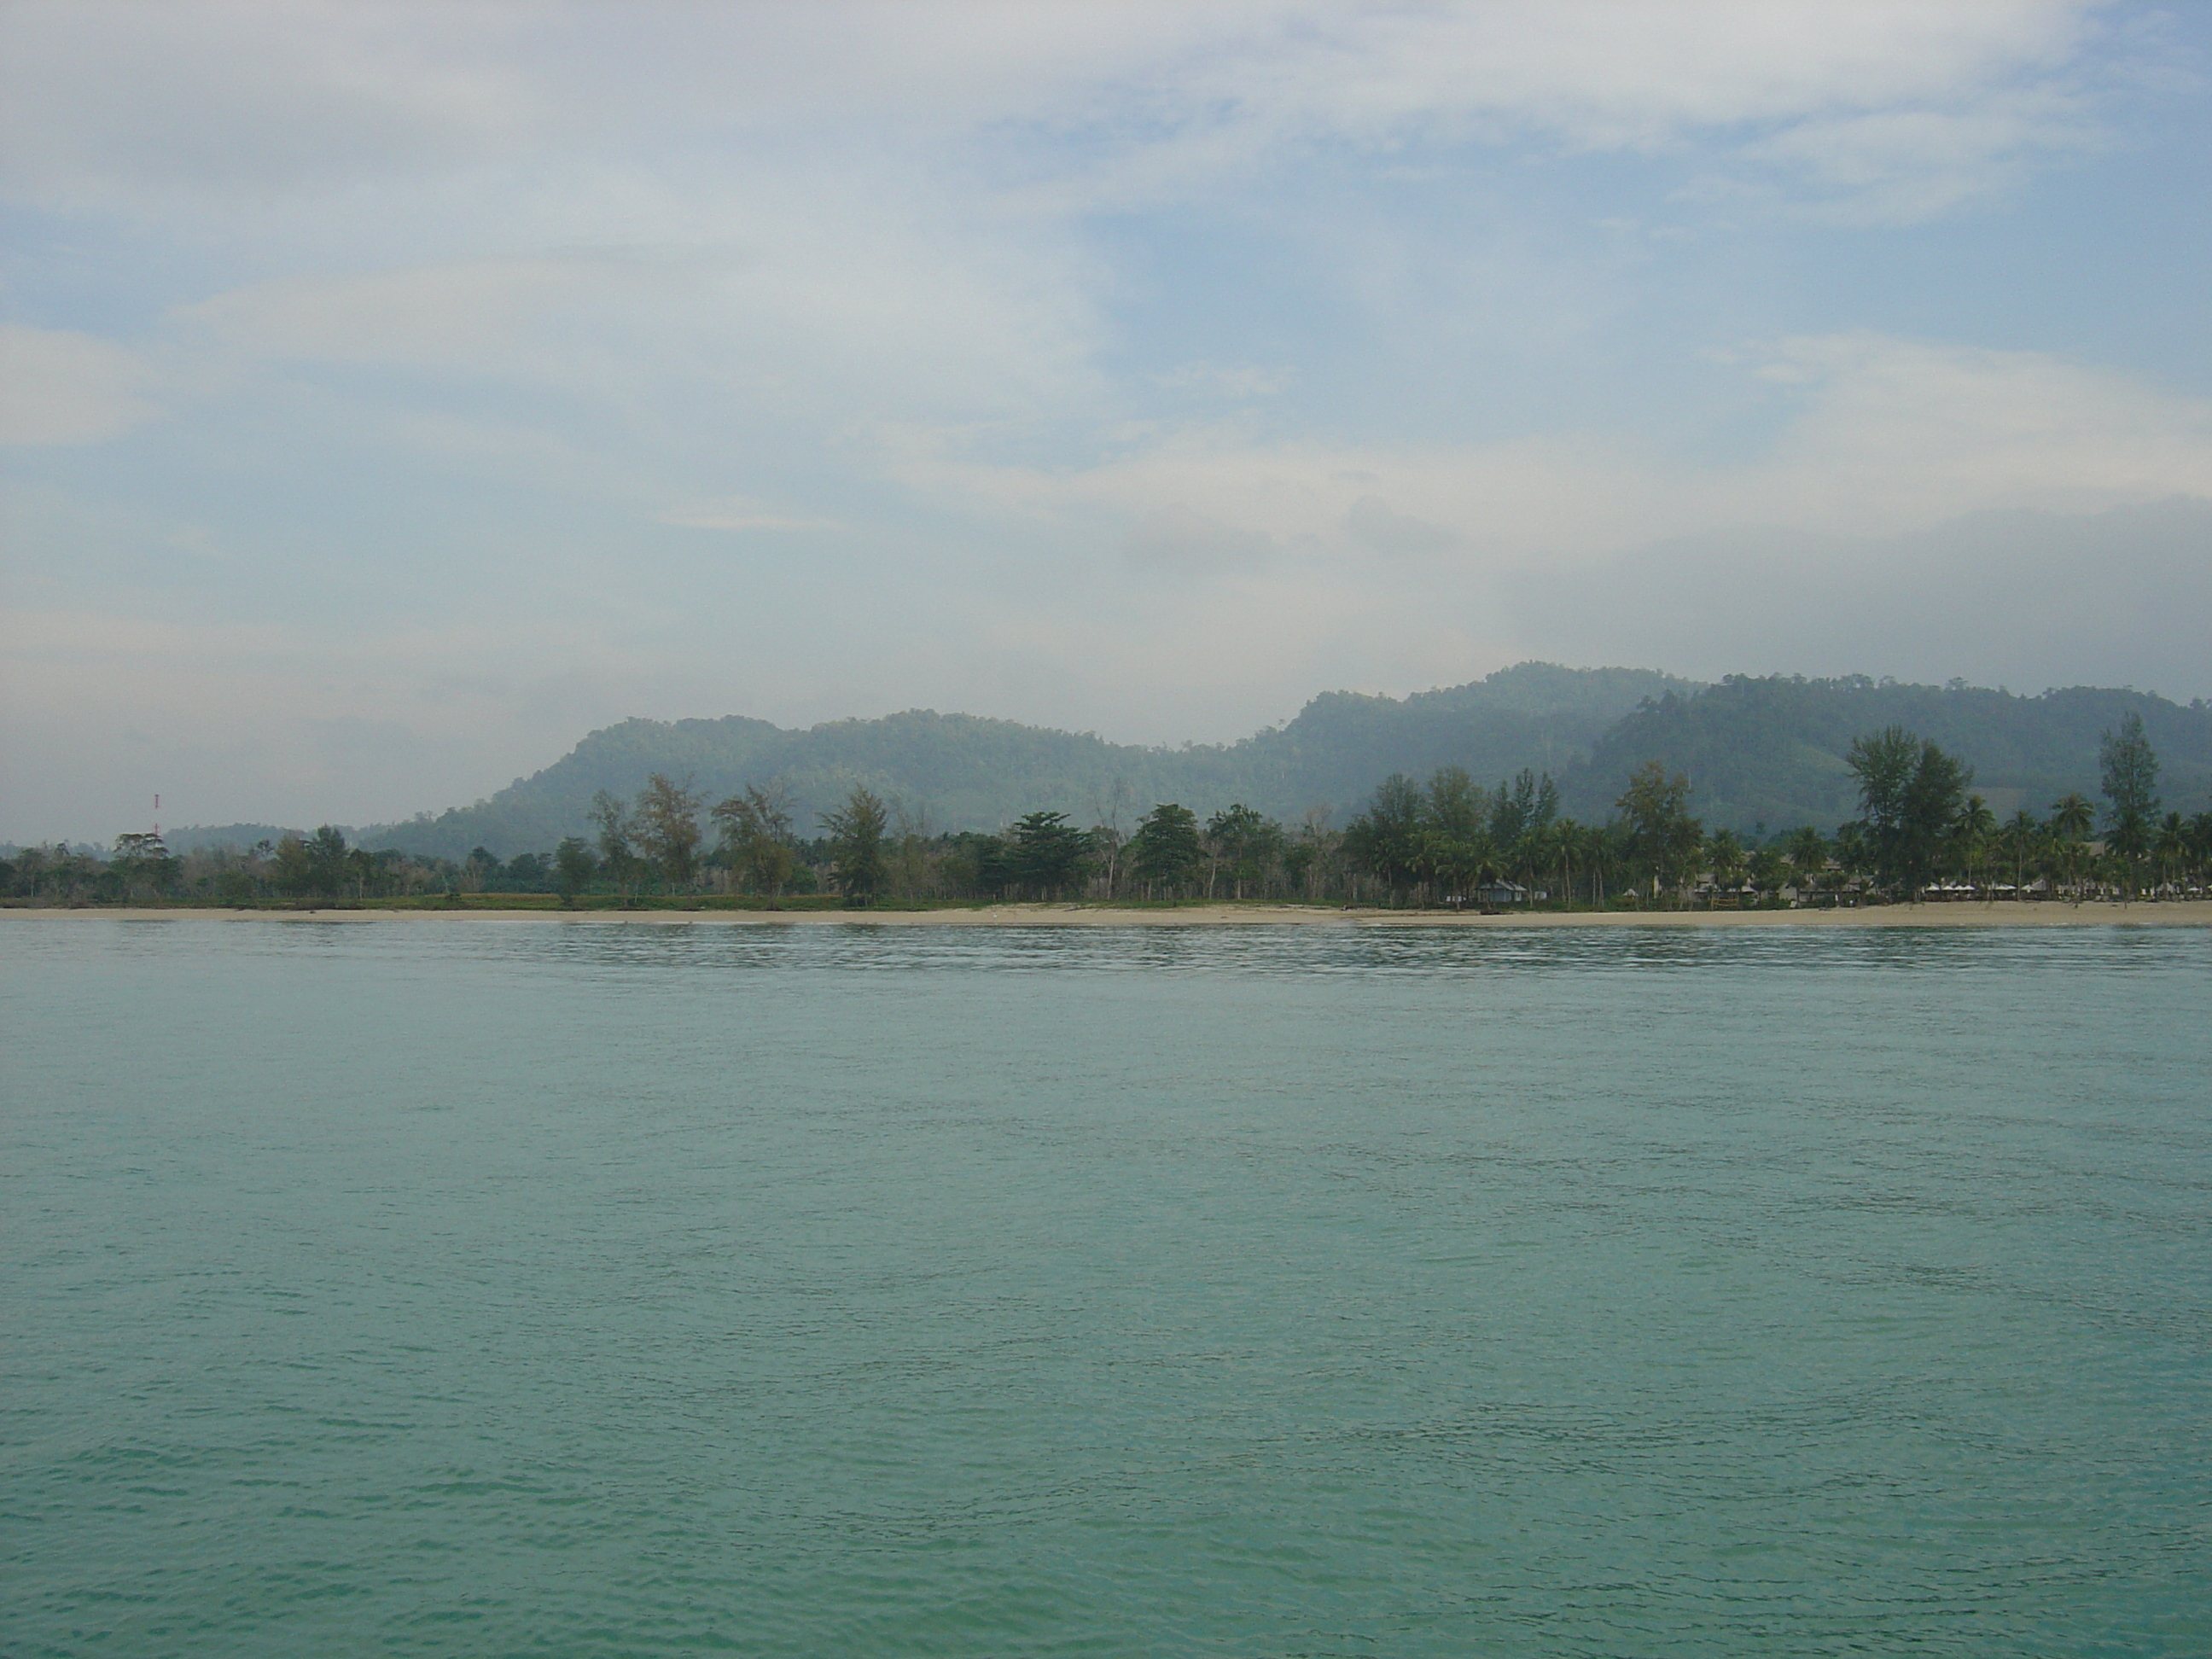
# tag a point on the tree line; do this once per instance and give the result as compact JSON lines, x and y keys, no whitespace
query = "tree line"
{"x":1446,"y":840}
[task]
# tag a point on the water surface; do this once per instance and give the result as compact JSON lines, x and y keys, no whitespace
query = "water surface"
{"x":544,"y":1290}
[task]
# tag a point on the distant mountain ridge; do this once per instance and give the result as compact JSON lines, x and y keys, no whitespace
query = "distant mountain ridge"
{"x":967,"y":772}
{"x":1771,"y":751}
{"x":1758,"y":750}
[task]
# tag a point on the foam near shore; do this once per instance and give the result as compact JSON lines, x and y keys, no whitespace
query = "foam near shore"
{"x":2184,"y":913}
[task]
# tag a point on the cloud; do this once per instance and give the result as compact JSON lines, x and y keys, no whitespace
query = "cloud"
{"x":799,"y":309}
{"x":136,"y":103}
{"x":1900,"y":433}
{"x":1373,"y":524}
{"x":1176,"y":538}
{"x":1875,"y":436}
{"x":1230,"y":382}
{"x":60,"y":387}
{"x":118,"y":101}
{"x":2019,"y":598}
{"x":738,"y":512}
{"x":1911,"y":165}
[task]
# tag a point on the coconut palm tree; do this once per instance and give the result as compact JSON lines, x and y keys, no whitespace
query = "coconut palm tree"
{"x":2128,"y":842}
{"x":1808,"y":855}
{"x":2171,"y":848}
{"x":1852,"y":853}
{"x":1972,"y":832}
{"x":1724,"y":857}
{"x":2071,"y":817}
{"x":2021,"y":835}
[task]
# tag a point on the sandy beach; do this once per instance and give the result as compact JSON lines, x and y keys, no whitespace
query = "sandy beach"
{"x":2189,"y":913}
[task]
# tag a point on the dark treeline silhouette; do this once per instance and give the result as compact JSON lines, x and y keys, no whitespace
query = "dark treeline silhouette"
{"x":1444,"y":839}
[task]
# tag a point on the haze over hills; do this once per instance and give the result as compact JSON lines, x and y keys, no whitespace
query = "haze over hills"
{"x":1766,"y":751}
{"x":966,"y":772}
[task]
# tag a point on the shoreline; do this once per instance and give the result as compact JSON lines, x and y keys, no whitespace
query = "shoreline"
{"x":2181,"y":912}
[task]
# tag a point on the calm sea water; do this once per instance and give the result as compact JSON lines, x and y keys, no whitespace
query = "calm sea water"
{"x":539,"y":1290}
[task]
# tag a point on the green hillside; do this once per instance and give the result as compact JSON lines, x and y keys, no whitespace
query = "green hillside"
{"x":963,"y":771}
{"x":1765,"y":751}
{"x":1771,"y":750}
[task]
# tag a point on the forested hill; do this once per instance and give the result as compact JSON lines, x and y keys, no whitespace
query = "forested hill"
{"x":1757,"y":752}
{"x":963,"y":771}
{"x":1771,"y":751}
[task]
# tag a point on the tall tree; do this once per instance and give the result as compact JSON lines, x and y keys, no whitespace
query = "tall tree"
{"x":1726,"y":858}
{"x":1386,"y":840}
{"x":616,"y":831}
{"x":2072,"y":817}
{"x":1807,"y":855}
{"x":2020,"y":837}
{"x":856,"y":845}
{"x":668,"y":828}
{"x":1047,"y":852}
{"x":574,"y":863}
{"x":1973,"y":834}
{"x":142,"y":864}
{"x":1165,"y":851}
{"x":2171,"y":847}
{"x":1910,"y":794}
{"x":1246,"y":844}
{"x":2129,"y":767}
{"x":327,"y":860}
{"x":755,"y":839}
{"x":1662,"y":838}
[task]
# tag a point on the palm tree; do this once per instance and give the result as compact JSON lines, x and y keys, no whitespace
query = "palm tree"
{"x":1852,"y":853}
{"x":1808,"y":856}
{"x":2071,"y":817}
{"x":1600,"y":853}
{"x":2128,"y":841}
{"x":1562,"y":845}
{"x":1971,"y":833}
{"x":2021,"y":834}
{"x":1724,"y":855}
{"x":2172,"y":848}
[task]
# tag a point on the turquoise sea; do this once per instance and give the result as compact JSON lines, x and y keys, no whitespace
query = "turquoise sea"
{"x":533,"y":1289}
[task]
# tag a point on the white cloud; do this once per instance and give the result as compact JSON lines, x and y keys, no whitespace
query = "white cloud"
{"x":807,"y":309}
{"x":131,"y":102}
{"x":58,"y":386}
{"x":1900,"y":434}
{"x":1889,"y":435}
{"x":121,"y":101}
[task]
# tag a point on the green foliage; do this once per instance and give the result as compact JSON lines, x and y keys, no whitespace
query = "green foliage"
{"x":856,"y":841}
{"x":666,"y":826}
{"x":1911,"y":793}
{"x":574,"y":863}
{"x":1756,"y":751}
{"x":976,"y":774}
{"x":1244,"y":846}
{"x":1662,"y":840}
{"x":756,"y":837}
{"x":1389,"y":841}
{"x":2128,"y":769}
{"x":1045,"y":855}
{"x":1165,"y":853}
{"x":1775,"y":749}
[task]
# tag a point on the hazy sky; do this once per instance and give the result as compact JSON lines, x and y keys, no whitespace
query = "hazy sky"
{"x":394,"y":394}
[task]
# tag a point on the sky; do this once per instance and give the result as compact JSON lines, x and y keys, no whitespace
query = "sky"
{"x":391,"y":394}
